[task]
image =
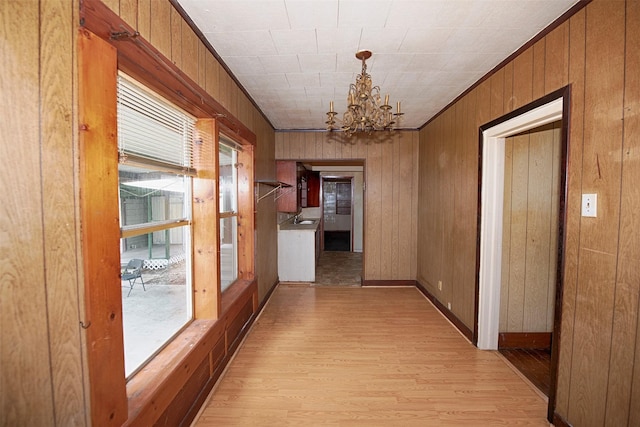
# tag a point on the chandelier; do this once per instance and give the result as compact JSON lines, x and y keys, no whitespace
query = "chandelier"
{"x":365,"y":111}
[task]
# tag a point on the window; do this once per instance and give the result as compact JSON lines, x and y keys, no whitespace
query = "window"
{"x":228,"y":182}
{"x":138,"y":398}
{"x":155,"y":144}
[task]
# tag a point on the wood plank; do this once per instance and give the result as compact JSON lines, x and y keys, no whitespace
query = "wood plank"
{"x":508,"y":98}
{"x":406,"y":214}
{"x":538,"y":78}
{"x":159,"y":37}
{"x":497,"y":95}
{"x":206,"y":260}
{"x":388,"y":241}
{"x":625,"y":351}
{"x":623,"y":340}
{"x":113,"y":5}
{"x":523,"y":79}
{"x":190,"y":56}
{"x":59,"y":213}
{"x":129,"y":12}
{"x":176,"y":38}
{"x":557,"y":58}
{"x":329,"y":147}
{"x":574,"y":179}
{"x":414,"y":205}
{"x":470,"y":211}
{"x":98,"y":177}
{"x":26,"y":396}
{"x":296,"y":150}
{"x":539,"y":228}
{"x":246,"y":218}
{"x":446,"y":159}
{"x":593,"y":322}
{"x":518,"y":226}
{"x":144,"y":18}
{"x":372,"y":372}
{"x":212,"y":71}
{"x":373,"y":214}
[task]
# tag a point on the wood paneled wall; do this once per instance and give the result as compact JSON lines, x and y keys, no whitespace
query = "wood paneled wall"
{"x":41,"y":374}
{"x":530,"y":230}
{"x":391,"y":189}
{"x":42,"y":380}
{"x":597,"y":52}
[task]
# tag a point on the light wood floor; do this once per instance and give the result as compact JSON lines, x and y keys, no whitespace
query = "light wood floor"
{"x":350,"y":356}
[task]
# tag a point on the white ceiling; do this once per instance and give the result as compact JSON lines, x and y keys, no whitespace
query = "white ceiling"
{"x":294,"y":56}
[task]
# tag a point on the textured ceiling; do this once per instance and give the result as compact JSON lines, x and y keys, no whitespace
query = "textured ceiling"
{"x":294,"y":56}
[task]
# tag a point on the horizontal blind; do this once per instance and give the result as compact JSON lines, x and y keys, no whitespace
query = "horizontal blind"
{"x":150,"y":128}
{"x":228,"y":142}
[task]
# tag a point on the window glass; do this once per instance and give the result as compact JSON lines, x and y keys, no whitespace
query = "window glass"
{"x":154,"y":140}
{"x":156,"y":294}
{"x":228,"y":179}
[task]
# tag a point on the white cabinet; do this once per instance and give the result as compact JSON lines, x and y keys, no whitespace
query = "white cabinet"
{"x":297,"y":250}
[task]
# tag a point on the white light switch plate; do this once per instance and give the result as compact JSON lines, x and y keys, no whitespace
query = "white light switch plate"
{"x":590,"y":205}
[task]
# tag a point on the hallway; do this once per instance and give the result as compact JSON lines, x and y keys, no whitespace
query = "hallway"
{"x":339,"y":268}
{"x":364,"y":356}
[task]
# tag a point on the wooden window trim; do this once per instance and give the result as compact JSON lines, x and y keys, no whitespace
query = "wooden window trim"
{"x":114,"y":401}
{"x":140,"y":60}
{"x":98,"y":176}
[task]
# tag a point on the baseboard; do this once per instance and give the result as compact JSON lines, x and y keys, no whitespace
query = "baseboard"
{"x":266,"y":297}
{"x":558,"y":421}
{"x":530,"y":340}
{"x":388,"y":283}
{"x":464,"y":330}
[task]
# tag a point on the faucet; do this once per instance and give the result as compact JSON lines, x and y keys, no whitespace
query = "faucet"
{"x":296,"y":218}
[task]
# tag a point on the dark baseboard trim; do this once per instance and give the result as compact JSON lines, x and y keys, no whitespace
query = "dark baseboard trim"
{"x":464,"y":329}
{"x":530,"y":340}
{"x":388,"y":283}
{"x":558,"y":421}
{"x":266,"y":297}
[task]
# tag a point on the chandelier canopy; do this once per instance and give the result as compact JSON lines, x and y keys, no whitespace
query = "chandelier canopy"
{"x":365,"y":110}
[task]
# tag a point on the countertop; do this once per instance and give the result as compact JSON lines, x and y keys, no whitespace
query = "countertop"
{"x":288,"y":225}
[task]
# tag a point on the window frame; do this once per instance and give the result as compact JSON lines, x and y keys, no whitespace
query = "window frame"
{"x":113,"y":401}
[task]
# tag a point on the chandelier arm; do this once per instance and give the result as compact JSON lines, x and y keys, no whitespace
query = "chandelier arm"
{"x":365,"y":111}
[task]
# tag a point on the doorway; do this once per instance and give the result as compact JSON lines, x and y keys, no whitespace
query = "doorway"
{"x":341,"y":258}
{"x":552,"y":108}
{"x":530,"y":250}
{"x":337,"y":211}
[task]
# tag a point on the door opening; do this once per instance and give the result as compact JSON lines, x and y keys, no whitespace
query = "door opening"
{"x":337,"y":208}
{"x":552,"y":108}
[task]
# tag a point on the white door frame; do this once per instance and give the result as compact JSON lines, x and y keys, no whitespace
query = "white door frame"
{"x":492,"y":197}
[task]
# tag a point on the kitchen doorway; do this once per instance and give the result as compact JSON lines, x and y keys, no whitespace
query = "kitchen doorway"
{"x":341,"y":259}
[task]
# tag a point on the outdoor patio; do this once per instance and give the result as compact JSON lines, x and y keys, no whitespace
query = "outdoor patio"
{"x":153,"y":314}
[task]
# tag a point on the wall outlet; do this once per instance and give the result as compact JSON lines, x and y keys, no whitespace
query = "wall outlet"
{"x":439,"y":285}
{"x":449,"y":305}
{"x":590,"y":205}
